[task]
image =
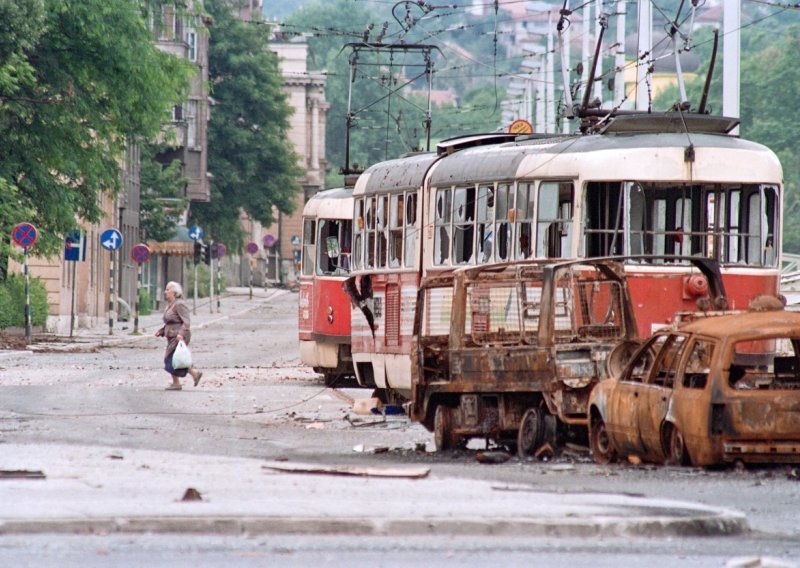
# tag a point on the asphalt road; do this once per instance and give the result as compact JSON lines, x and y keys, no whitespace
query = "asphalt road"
{"x":257,"y":401}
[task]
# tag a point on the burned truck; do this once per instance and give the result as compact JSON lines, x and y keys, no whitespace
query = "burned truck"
{"x":511,"y":352}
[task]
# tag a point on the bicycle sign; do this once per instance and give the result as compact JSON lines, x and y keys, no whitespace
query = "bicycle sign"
{"x":140,"y":254}
{"x":24,"y":234}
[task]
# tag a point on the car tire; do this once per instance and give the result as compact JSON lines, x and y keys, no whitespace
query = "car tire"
{"x":600,"y":443}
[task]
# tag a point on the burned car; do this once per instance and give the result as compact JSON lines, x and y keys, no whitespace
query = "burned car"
{"x":510,"y":352}
{"x":714,"y":391}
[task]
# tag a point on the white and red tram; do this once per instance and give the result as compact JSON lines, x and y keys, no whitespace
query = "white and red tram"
{"x":324,"y":307}
{"x":655,"y":184}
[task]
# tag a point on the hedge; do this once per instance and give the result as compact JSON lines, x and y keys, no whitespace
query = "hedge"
{"x":12,"y":302}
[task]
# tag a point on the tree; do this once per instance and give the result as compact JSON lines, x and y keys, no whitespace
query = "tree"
{"x":161,"y":200}
{"x":78,"y":79}
{"x":253,"y":162}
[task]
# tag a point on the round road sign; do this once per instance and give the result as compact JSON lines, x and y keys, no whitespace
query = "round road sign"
{"x":24,"y":234}
{"x":218,"y":250}
{"x":140,"y":254}
{"x":269,"y":241}
{"x":252,"y":248}
{"x":196,"y":232}
{"x":111,"y":239}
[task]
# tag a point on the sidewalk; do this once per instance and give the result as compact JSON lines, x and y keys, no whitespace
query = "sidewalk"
{"x":96,"y":490}
{"x":234,"y":300}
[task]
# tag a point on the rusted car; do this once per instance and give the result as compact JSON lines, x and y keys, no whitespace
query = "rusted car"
{"x":714,"y":391}
{"x":510,"y":352}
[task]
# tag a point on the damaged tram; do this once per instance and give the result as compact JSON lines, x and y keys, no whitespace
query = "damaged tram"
{"x":323,"y":307}
{"x":669,"y":184}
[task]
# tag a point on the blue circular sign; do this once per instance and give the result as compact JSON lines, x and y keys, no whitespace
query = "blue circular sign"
{"x":24,"y":234}
{"x":111,"y":239}
{"x":196,"y":232}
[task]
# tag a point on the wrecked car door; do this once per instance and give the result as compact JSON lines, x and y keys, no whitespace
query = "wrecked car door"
{"x":655,"y":396}
{"x":627,"y":396}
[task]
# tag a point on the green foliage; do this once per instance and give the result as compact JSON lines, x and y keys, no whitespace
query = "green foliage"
{"x":83,"y":78}
{"x":254,"y":164}
{"x":145,"y":302}
{"x":203,"y":282}
{"x":161,"y":199}
{"x":12,"y":302}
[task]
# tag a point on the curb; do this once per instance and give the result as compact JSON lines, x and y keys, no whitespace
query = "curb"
{"x":722,"y":524}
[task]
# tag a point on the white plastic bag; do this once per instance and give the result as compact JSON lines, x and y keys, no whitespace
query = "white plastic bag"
{"x":182,"y":357}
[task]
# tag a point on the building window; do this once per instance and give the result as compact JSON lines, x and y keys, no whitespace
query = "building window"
{"x":191,"y":43}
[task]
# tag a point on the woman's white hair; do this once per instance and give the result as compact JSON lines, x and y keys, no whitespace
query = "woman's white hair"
{"x":176,"y":288}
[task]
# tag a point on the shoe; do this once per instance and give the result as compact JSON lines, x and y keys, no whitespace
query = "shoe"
{"x":174,"y":388}
{"x":198,"y":377}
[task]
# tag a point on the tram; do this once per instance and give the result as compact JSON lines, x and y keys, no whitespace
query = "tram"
{"x":323,"y":306}
{"x":655,"y":184}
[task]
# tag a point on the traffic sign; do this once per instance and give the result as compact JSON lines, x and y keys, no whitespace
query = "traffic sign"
{"x":196,"y":232}
{"x":140,"y":254}
{"x":24,"y":234}
{"x":252,"y":248}
{"x":269,"y":241}
{"x":295,"y":240}
{"x":218,"y":250}
{"x":75,"y":246}
{"x":111,"y":239}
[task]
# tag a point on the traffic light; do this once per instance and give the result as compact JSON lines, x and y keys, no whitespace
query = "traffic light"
{"x":207,"y":253}
{"x":198,"y":250}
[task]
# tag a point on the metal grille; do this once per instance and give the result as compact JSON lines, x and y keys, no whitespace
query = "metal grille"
{"x":438,"y":308}
{"x":392,"y":315}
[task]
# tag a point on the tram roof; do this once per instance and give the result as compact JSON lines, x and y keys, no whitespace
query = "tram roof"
{"x":501,"y":161}
{"x":332,"y":203}
{"x":394,"y":175}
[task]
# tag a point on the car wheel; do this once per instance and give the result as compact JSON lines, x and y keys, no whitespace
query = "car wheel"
{"x":442,"y":429}
{"x":676,"y":450}
{"x":600,"y":442}
{"x":531,"y":431}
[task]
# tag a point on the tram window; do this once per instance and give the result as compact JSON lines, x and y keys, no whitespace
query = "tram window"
{"x":345,"y":244}
{"x":554,"y":219}
{"x":502,"y":226}
{"x":604,"y":219}
{"x":524,"y":221}
{"x":369,"y":253}
{"x":382,"y":231}
{"x":330,"y":246}
{"x":396,"y":231}
{"x":441,"y":239}
{"x":410,"y":229}
{"x":309,"y":246}
{"x":358,"y":235}
{"x":485,"y":207}
{"x":463,"y":224}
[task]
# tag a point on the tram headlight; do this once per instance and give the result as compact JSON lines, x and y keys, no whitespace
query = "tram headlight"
{"x":330,"y":314}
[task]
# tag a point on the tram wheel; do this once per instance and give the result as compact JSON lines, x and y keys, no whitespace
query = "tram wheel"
{"x":531,"y":431}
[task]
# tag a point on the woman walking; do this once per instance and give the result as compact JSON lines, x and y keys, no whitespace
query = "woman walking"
{"x":176,"y":328}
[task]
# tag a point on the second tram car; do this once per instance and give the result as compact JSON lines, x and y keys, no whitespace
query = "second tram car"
{"x":652,"y":184}
{"x":324,"y":308}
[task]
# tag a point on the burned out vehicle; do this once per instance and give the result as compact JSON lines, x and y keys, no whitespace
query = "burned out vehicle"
{"x":510,"y":352}
{"x":713,"y":391}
